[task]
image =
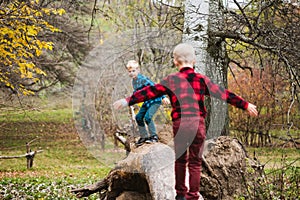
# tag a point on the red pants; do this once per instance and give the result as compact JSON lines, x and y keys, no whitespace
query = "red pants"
{"x":189,"y":136}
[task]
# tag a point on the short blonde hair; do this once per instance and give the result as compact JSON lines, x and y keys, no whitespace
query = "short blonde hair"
{"x":132,"y":64}
{"x":184,"y":53}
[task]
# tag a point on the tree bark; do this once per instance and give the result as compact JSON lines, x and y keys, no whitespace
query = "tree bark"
{"x":148,"y":170}
{"x":148,"y":173}
{"x":225,"y":169}
{"x":201,"y":18}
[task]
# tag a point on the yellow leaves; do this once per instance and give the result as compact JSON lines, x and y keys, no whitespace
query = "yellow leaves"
{"x":24,"y":66}
{"x":47,"y":11}
{"x":21,"y":26}
{"x":59,"y":11}
{"x":39,"y":71}
{"x":38,"y":14}
{"x":32,"y":30}
{"x":38,"y":52}
{"x":40,"y":44}
{"x":3,"y":79}
{"x":6,"y":31}
{"x":49,"y":45}
{"x":44,"y":45}
{"x":27,"y":70}
{"x":24,"y":91}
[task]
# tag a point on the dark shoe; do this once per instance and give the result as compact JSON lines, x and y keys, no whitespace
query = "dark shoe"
{"x":148,"y":140}
{"x":178,"y":197}
{"x":154,"y":138}
{"x":141,"y":141}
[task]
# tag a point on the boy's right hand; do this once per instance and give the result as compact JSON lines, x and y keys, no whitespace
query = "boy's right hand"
{"x":166,"y":101}
{"x":120,"y":104}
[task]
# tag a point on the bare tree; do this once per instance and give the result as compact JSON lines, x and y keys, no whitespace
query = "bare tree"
{"x":263,"y":29}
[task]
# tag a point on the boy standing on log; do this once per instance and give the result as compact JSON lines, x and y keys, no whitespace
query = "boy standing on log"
{"x":186,"y":90}
{"x":148,"y":108}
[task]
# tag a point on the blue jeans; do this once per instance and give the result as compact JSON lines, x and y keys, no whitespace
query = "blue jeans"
{"x":145,"y":116}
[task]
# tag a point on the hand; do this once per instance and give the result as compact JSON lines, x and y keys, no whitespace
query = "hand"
{"x":165,"y":101}
{"x":252,"y":110}
{"x":120,"y":104}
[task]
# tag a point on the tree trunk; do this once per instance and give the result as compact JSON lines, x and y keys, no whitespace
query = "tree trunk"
{"x":148,"y":173}
{"x":217,"y":71}
{"x":202,"y":17}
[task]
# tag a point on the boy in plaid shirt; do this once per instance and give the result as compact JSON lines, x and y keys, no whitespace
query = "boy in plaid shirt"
{"x":186,"y":90}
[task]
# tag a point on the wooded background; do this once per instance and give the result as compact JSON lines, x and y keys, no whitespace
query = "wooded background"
{"x":255,"y":45}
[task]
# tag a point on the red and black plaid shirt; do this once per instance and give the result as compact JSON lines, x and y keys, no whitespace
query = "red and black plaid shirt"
{"x":186,"y":90}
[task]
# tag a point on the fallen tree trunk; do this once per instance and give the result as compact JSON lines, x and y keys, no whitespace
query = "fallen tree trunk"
{"x":148,"y":173}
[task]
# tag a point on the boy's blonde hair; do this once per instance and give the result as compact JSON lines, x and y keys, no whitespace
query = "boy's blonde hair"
{"x":132,"y":64}
{"x":184,"y":53}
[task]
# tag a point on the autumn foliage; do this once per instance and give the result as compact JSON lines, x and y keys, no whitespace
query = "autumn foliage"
{"x":278,"y":108}
{"x":21,"y":24}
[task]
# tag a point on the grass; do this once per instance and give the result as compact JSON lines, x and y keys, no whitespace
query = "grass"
{"x":60,"y":115}
{"x":64,"y":164}
{"x":274,"y":158}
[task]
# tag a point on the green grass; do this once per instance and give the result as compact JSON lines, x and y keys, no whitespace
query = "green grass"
{"x":60,"y":115}
{"x":274,"y":158}
{"x":285,"y":133}
{"x":64,"y":164}
{"x":64,"y":155}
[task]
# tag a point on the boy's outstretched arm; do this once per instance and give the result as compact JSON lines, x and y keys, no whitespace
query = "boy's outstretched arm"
{"x":252,"y":109}
{"x":149,"y":92}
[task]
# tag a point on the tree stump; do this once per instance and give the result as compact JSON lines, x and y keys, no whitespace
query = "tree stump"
{"x":225,"y":168}
{"x":148,"y":173}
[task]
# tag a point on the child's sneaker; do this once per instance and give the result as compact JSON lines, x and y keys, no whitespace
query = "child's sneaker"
{"x":154,"y":138}
{"x":141,"y":141}
{"x":148,"y":140}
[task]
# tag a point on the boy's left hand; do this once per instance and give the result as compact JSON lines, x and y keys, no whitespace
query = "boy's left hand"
{"x":252,"y":109}
{"x":120,"y":104}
